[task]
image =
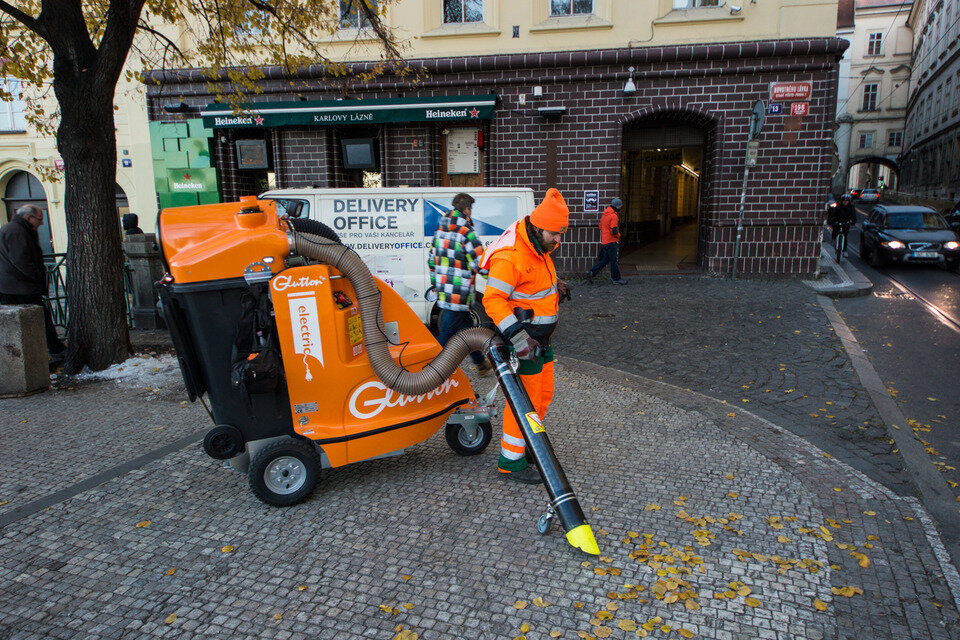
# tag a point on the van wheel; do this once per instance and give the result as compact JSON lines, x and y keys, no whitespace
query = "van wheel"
{"x":284,"y":473}
{"x":478,"y":315}
{"x":466,"y":444}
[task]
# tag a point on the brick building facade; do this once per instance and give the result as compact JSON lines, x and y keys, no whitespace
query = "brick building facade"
{"x":707,"y":89}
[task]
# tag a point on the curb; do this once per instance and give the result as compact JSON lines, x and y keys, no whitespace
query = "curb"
{"x":852,"y":283}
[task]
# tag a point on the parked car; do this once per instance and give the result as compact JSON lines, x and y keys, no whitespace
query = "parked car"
{"x":855,"y":194}
{"x":908,"y":234}
{"x":869,"y":195}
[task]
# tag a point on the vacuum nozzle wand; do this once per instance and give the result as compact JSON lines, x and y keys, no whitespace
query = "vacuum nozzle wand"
{"x":563,"y":501}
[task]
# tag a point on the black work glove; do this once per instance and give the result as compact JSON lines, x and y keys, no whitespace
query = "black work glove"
{"x":523,"y":345}
{"x":564,"y":290}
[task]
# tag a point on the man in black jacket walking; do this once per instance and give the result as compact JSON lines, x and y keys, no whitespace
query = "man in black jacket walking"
{"x":23,"y":276}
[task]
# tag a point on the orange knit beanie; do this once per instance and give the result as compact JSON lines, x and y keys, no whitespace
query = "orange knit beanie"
{"x":552,"y":214}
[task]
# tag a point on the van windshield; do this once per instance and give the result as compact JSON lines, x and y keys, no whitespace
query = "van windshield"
{"x":915,"y":220}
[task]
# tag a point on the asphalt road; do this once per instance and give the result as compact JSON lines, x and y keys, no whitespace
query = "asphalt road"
{"x":909,"y":327}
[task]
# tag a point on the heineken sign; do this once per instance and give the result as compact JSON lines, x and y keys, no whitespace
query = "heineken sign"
{"x":192,"y":180}
{"x":332,"y":112}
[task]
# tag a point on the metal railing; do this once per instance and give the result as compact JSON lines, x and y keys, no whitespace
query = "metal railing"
{"x":56,"y":298}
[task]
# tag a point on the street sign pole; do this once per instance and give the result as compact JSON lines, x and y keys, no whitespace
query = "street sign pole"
{"x":756,"y":124}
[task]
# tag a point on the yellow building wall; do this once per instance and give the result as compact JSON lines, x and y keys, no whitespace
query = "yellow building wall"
{"x":37,"y":154}
{"x":418,"y":24}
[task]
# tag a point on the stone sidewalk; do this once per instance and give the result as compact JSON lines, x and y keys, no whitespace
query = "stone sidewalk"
{"x":765,"y":346}
{"x":712,"y":522}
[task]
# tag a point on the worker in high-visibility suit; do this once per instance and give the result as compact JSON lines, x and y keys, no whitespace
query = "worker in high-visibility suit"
{"x":522,"y":297}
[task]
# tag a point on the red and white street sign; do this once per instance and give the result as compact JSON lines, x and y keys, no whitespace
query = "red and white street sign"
{"x":783,"y":91}
{"x":58,"y":164}
{"x":799,"y":108}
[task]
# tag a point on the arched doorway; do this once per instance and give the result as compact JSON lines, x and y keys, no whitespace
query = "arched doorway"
{"x":663,"y":159}
{"x":873,"y":172}
{"x":23,"y":188}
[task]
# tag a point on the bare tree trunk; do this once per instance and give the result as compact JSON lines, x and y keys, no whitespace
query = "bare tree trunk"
{"x":98,"y":335}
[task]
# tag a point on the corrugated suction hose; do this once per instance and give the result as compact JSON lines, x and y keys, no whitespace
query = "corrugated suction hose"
{"x":391,"y":374}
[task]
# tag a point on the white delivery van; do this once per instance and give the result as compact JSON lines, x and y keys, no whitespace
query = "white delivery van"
{"x":392,"y":229}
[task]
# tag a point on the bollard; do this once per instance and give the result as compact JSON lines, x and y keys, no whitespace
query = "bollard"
{"x":23,"y":351}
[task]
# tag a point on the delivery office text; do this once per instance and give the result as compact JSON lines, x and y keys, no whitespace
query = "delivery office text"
{"x":371,"y":205}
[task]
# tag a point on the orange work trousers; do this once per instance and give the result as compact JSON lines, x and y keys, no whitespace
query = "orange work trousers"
{"x":539,"y":387}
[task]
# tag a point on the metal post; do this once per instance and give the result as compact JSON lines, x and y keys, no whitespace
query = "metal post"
{"x":743,"y":201}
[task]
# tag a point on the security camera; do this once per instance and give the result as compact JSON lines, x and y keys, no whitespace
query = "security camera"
{"x":734,"y":9}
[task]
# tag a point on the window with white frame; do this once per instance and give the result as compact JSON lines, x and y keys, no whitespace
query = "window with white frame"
{"x":692,"y":4}
{"x":895,"y":139}
{"x":11,"y":108}
{"x":352,"y":16}
{"x":460,"y":11}
{"x":570,"y":7}
{"x":870,"y":92}
{"x":874,"y":43}
{"x":866,"y":139}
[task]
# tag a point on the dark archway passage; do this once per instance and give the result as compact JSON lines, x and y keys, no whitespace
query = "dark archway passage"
{"x":662,"y":165}
{"x":24,"y":188}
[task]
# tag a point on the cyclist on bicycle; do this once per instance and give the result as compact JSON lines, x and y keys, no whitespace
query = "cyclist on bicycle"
{"x":841,"y":218}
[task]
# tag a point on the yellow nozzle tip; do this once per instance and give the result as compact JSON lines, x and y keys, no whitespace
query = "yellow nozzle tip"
{"x":582,"y":538}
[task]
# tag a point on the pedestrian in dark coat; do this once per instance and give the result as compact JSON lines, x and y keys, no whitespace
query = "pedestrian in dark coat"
{"x":23,"y":275}
{"x":131,"y":224}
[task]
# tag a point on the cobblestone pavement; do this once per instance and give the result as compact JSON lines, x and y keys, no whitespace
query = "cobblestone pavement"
{"x":761,"y":345}
{"x":679,"y":487}
{"x":57,"y":439}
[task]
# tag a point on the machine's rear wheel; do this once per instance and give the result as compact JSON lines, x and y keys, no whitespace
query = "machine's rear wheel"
{"x":466,"y":444}
{"x":223,"y":442}
{"x":284,"y":473}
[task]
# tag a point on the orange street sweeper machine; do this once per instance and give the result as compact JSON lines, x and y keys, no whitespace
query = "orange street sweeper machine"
{"x":310,"y":362}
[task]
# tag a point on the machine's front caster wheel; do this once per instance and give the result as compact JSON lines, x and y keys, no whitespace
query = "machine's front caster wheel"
{"x":544,"y":522}
{"x":284,"y":473}
{"x":469,"y":440}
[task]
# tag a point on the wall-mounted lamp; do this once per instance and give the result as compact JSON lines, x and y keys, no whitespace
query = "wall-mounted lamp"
{"x":734,"y":9}
{"x":552,"y":112}
{"x":630,"y":88}
{"x":177,"y":107}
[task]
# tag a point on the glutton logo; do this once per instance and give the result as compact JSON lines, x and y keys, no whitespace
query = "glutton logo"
{"x":283,"y":282}
{"x":376,"y":397}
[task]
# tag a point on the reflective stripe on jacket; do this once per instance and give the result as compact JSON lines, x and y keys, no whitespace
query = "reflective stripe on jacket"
{"x":520,"y":277}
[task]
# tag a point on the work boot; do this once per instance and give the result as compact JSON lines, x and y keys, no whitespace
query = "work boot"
{"x":589,"y":277}
{"x":527,"y":475}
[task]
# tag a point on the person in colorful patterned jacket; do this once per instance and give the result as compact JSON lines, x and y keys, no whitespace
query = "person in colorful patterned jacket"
{"x":454,"y":262}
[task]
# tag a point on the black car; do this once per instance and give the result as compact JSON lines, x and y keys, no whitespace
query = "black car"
{"x":908,"y":234}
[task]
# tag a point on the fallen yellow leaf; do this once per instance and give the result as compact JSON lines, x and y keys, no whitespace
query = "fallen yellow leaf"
{"x":819,"y":605}
{"x":556,"y":633}
{"x":227,"y":549}
{"x":733,"y":494}
{"x":520,"y":604}
{"x":752,"y":602}
{"x":686,"y":633}
{"x":627,"y":625}
{"x":524,"y":628}
{"x":143,"y":523}
{"x":578,"y":605}
{"x":278,"y":616}
{"x":302,"y":587}
{"x":406,"y":577}
{"x":408,"y":606}
{"x":170,"y":572}
{"x":603,"y":632}
{"x":170,"y":619}
{"x":783,"y":539}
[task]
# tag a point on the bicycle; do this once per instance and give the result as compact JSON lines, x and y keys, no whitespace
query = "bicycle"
{"x":840,"y":241}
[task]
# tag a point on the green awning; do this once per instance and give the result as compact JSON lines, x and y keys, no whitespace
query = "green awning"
{"x":333,"y":112}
